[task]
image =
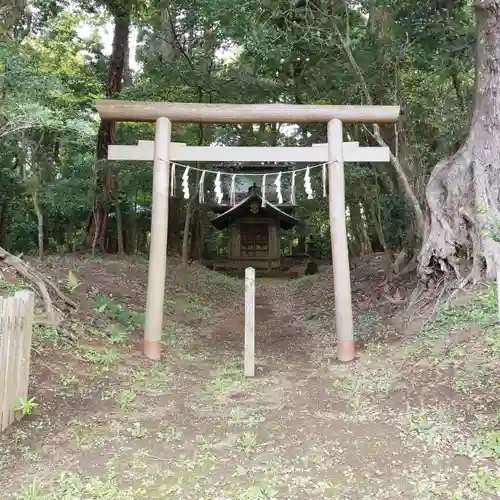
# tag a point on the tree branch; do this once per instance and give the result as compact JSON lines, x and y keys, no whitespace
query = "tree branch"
{"x":376,"y":134}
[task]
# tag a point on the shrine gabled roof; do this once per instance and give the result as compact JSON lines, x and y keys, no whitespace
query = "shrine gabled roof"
{"x":239,"y":210}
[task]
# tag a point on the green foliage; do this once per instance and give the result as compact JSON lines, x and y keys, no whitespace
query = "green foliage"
{"x":219,"y":51}
{"x":10,"y":288}
{"x":104,"y":357}
{"x":483,"y":309}
{"x":132,"y":320}
{"x":26,"y":406}
{"x":46,"y":334}
{"x":484,"y":445}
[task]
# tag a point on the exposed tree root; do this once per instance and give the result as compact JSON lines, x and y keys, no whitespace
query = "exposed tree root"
{"x":409,"y":268}
{"x":41,"y":282}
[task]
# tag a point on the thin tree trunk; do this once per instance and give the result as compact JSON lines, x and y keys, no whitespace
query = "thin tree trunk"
{"x":119,"y":229}
{"x":187,"y":225}
{"x":189,"y":209}
{"x":39,"y":216}
{"x":366,"y":245}
{"x":195,"y":232}
{"x":119,"y":218}
{"x":96,"y":233}
{"x":3,"y":219}
{"x":355,"y":228}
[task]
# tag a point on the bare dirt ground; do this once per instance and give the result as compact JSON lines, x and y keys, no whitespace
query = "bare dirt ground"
{"x":416,"y":416}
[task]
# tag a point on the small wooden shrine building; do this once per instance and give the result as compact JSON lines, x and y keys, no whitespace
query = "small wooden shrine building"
{"x":254,"y":231}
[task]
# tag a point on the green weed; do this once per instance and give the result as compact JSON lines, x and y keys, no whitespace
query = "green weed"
{"x":482,"y":309}
{"x":46,"y":334}
{"x":104,"y":357}
{"x":247,"y":442}
{"x":196,"y":308}
{"x":171,"y":434}
{"x":10,"y":288}
{"x":72,"y":281}
{"x":240,"y":417}
{"x":20,"y":436}
{"x":485,"y":445}
{"x":116,"y":334}
{"x":484,"y":481}
{"x":125,"y":398}
{"x":26,"y":406}
{"x":72,"y":486}
{"x":368,"y":325}
{"x":225,"y":381}
{"x":68,"y":380}
{"x":132,"y":320}
{"x":137,"y":431}
{"x":224,"y":279}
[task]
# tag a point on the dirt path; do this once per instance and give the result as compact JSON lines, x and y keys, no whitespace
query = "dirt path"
{"x":193,"y":427}
{"x":335,"y":449}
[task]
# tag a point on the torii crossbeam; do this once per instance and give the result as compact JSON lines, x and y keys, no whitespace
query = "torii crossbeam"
{"x":179,"y":152}
{"x":162,"y":151}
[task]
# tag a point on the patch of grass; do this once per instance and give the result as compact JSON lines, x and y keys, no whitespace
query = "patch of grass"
{"x":125,"y":398}
{"x":224,"y":280}
{"x":492,"y":341}
{"x":137,"y":430}
{"x":480,"y":310}
{"x":177,"y":337}
{"x":481,"y":482}
{"x":170,"y":435}
{"x":189,"y":305}
{"x":151,"y":382}
{"x":485,"y":445}
{"x":117,"y":334}
{"x":239,"y":417}
{"x":117,"y":312}
{"x":72,"y":485}
{"x":368,"y":325}
{"x":46,"y":334}
{"x":102,"y":357}
{"x":377,"y":381}
{"x":451,"y":321}
{"x":435,"y":428}
{"x":363,"y":389}
{"x":477,"y":377}
{"x":454,"y":341}
{"x":247,"y":442}
{"x":68,"y":381}
{"x":195,"y":307}
{"x":225,"y":381}
{"x":8,"y":287}
{"x":5,"y":457}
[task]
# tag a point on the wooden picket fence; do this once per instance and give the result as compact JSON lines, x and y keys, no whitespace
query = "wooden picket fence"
{"x":16,"y":326}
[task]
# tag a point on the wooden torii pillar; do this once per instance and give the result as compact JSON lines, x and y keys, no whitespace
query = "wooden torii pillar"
{"x":166,"y":113}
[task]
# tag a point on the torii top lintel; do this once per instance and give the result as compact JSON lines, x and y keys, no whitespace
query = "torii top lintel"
{"x":138,"y":111}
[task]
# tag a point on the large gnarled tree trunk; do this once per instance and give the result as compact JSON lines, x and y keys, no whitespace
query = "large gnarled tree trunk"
{"x":463,"y":192}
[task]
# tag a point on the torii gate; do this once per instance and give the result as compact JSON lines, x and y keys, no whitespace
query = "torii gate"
{"x":162,"y":151}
